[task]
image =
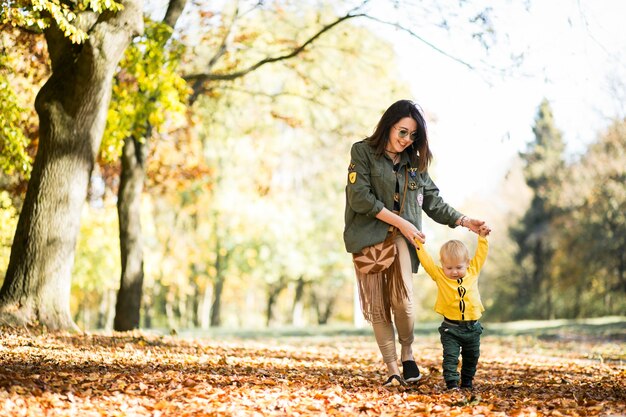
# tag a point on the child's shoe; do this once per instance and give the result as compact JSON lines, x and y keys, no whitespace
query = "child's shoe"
{"x":467,"y":384}
{"x":452,"y":385}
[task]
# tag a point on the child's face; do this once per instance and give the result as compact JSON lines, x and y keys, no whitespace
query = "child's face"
{"x":454,"y":268}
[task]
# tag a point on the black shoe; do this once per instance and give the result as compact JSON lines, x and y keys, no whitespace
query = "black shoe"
{"x":467,"y":385}
{"x":410,"y":371}
{"x":452,"y":385}
{"x":394,"y":381}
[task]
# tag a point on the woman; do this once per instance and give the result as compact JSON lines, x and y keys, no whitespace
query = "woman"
{"x":388,"y":187}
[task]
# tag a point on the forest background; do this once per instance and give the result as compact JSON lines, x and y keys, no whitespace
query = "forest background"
{"x":214,"y":195}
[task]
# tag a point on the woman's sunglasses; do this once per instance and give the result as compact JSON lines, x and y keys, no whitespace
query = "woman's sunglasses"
{"x":403,"y":133}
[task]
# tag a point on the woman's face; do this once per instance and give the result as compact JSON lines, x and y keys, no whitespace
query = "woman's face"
{"x":402,"y":134}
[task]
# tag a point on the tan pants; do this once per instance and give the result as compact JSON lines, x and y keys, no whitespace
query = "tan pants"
{"x":402,"y":312}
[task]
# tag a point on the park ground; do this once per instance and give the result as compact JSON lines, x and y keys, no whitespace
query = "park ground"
{"x":557,"y":368}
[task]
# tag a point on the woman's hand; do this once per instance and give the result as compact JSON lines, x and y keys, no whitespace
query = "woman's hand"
{"x":405,"y":227}
{"x":411,"y":232}
{"x":475,"y":225}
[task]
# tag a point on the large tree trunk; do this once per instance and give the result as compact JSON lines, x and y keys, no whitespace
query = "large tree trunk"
{"x":72,"y":107}
{"x":128,"y":303}
{"x":128,"y":307}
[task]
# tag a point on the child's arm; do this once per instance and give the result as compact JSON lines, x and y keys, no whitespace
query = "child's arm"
{"x":482,"y":249}
{"x":425,"y":260}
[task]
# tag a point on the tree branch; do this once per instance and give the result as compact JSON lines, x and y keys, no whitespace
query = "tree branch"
{"x":222,"y":49}
{"x":174,"y":10}
{"x":199,"y":79}
{"x":416,"y":36}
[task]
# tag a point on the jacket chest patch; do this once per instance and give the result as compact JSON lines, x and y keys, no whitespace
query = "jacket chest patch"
{"x":420,"y":199}
{"x":352,"y":177}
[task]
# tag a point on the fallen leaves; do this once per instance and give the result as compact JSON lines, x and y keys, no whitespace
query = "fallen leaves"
{"x":135,"y":374}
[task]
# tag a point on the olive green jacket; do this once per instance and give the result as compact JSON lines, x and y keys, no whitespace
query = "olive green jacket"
{"x":371,"y":186}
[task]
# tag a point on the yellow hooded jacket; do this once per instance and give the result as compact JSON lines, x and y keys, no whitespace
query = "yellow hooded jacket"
{"x":454,"y":296}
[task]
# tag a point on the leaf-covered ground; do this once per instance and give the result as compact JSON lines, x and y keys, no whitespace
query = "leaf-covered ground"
{"x":146,"y":375}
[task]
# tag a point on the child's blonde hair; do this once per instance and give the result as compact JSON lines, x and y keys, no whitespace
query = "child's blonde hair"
{"x":454,"y":250}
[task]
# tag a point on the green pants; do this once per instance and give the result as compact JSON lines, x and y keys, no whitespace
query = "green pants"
{"x":463,"y":339}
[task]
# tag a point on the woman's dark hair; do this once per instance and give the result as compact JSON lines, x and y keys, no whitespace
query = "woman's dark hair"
{"x":419,"y":151}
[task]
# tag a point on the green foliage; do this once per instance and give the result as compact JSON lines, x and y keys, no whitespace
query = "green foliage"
{"x":545,"y":156}
{"x":544,"y":172}
{"x":593,"y":235}
{"x":8,"y":223}
{"x":571,"y":244}
{"x":97,"y":267}
{"x":149,"y":95}
{"x":13,"y":141}
{"x":39,"y":14}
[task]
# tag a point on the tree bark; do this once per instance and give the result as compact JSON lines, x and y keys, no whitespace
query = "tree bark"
{"x":72,"y":107}
{"x":128,"y":305}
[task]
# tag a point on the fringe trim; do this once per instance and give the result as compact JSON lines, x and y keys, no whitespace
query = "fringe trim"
{"x":377,"y":292}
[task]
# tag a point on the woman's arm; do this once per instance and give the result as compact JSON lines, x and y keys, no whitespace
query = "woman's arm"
{"x":359,"y":189}
{"x":437,"y":209}
{"x":477,"y":226}
{"x":407,"y":228}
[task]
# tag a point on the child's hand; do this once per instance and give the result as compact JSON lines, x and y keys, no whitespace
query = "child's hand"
{"x":474,"y":224}
{"x":484,"y":230}
{"x":418,"y":241}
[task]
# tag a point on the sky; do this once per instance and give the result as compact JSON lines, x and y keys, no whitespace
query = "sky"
{"x":479,"y":122}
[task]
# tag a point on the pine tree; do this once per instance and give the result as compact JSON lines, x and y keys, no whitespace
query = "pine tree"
{"x":544,"y":168}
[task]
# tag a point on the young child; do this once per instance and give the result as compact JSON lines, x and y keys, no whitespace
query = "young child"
{"x":458,"y":301}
